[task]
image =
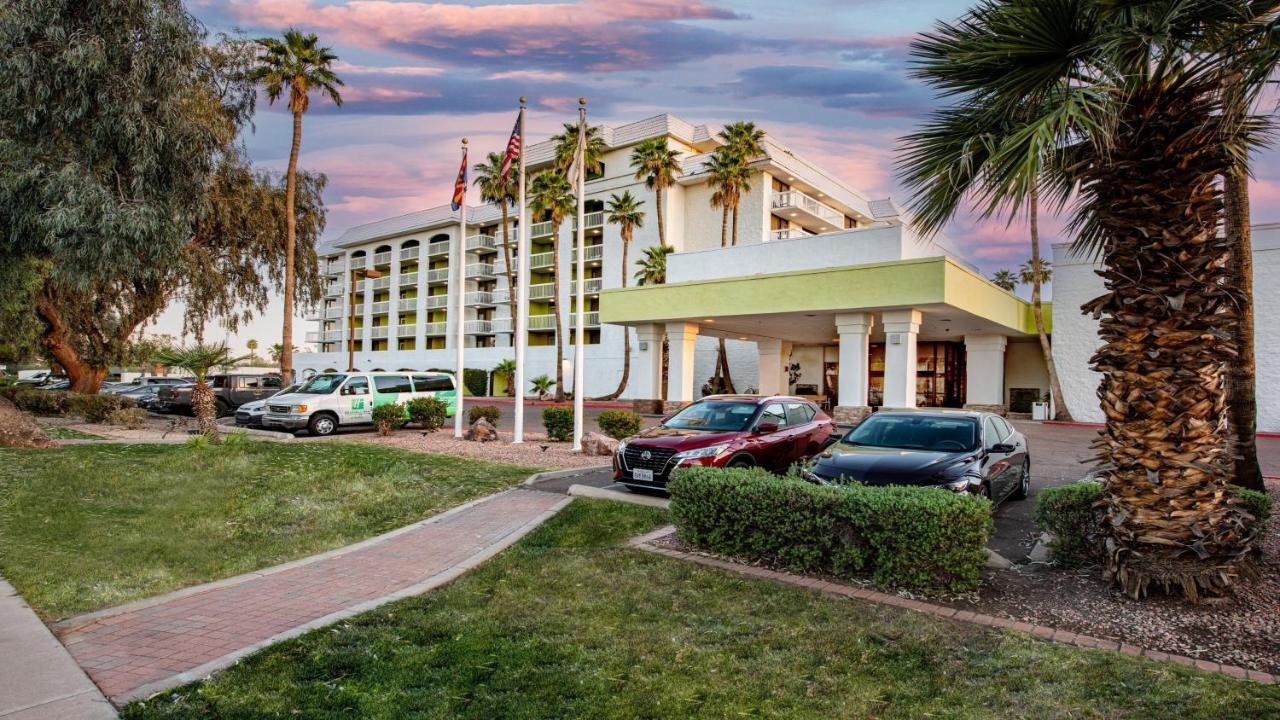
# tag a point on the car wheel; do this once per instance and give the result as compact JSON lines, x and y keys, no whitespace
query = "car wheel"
{"x":1024,"y":485}
{"x":742,"y":461}
{"x":221,"y":409}
{"x":322,"y":425}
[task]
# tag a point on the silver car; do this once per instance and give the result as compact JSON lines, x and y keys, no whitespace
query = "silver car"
{"x":250,"y":414}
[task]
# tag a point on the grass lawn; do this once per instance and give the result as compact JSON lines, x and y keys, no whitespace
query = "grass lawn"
{"x":569,"y":624}
{"x":58,"y":432}
{"x":94,"y":526}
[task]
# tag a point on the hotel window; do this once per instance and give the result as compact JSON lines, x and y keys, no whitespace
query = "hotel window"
{"x":850,"y":222}
{"x":779,"y":186}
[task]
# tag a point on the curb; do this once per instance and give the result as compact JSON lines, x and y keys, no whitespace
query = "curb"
{"x":588,"y":491}
{"x":545,"y":475}
{"x":256,"y":432}
{"x":1043,"y":632}
{"x":589,"y":404}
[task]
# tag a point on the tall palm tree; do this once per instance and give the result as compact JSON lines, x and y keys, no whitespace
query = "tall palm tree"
{"x":745,"y":142}
{"x":551,"y":198}
{"x":722,"y":172}
{"x":297,"y":65}
{"x":567,"y":146}
{"x":657,"y":164}
{"x":199,"y":359}
{"x":1116,"y":108}
{"x":652,"y":268}
{"x":503,"y":193}
{"x":624,"y":211}
{"x":1005,"y":279}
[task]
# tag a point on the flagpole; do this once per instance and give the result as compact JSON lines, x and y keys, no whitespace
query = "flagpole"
{"x":522,"y":292}
{"x":460,"y":325}
{"x":580,"y":297}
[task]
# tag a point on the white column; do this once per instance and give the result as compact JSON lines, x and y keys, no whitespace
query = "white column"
{"x":681,"y":338}
{"x":771,"y":374}
{"x":645,"y":382}
{"x":900,"y":330}
{"x":984,"y":369}
{"x":853,"y":330}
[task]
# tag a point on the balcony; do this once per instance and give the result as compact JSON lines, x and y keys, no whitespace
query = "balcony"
{"x":359,"y":310}
{"x":542,"y":291}
{"x":359,"y":286}
{"x":409,"y":253}
{"x":789,"y":234}
{"x":594,"y":220}
{"x":482,"y":243}
{"x":382,"y":283}
{"x":379,"y":332}
{"x":334,"y":313}
{"x":479,"y":298}
{"x":381,"y":308}
{"x":333,"y":290}
{"x":542,"y":260}
{"x":436,"y":302}
{"x":409,"y":279}
{"x":592,"y":286}
{"x":542,"y":322}
{"x":542,"y":229}
{"x":436,"y":328}
{"x":479,"y":270}
{"x":382,"y":258}
{"x":809,"y":212}
{"x":314,"y":337}
{"x":501,"y":325}
{"x":501,"y":296}
{"x":407,"y":305}
{"x":335,"y":266}
{"x":357,"y":263}
{"x":590,"y":252}
{"x":439,"y":247}
{"x":440,"y":275}
{"x":479,"y":327}
{"x":406,"y":330}
{"x":321,"y":337}
{"x":592,"y":319}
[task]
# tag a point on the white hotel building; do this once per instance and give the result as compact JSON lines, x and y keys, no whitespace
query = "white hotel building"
{"x":828,"y":294}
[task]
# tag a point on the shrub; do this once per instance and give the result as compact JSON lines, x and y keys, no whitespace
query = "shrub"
{"x":488,"y":412}
{"x":41,"y":402}
{"x":619,"y":424}
{"x":558,"y":420}
{"x":921,"y":538}
{"x":476,"y":381}
{"x":1257,"y":504}
{"x":1071,"y":514}
{"x":388,"y":417}
{"x":132,"y":418}
{"x":97,"y":408}
{"x":428,"y":412}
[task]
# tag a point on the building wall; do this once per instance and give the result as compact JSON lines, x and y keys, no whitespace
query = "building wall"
{"x":1075,"y":335}
{"x":851,"y":247}
{"x":1024,"y":367}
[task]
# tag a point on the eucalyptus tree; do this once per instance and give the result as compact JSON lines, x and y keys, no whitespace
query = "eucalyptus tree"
{"x":624,"y":211}
{"x":118,"y":116}
{"x":297,"y":65}
{"x":1115,"y":109}
{"x":551,"y":198}
{"x":502,"y":192}
{"x":657,"y":164}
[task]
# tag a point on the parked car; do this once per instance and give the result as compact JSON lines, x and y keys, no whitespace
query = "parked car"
{"x":250,"y":414}
{"x":43,"y":379}
{"x":229,"y":393}
{"x":724,"y":431}
{"x":54,"y":385}
{"x":150,"y":380}
{"x":962,"y":451}
{"x":142,"y":395}
{"x":328,"y":401}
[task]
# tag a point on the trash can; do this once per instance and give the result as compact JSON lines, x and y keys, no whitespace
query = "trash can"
{"x":1039,"y":411}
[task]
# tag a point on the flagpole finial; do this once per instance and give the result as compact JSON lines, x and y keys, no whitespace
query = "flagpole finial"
{"x":582,"y":101}
{"x":523,"y":100}
{"x":464,"y":141}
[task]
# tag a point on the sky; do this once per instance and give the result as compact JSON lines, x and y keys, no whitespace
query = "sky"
{"x":826,"y":77}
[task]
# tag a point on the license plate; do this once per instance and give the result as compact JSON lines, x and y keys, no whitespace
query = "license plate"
{"x":642,"y":475}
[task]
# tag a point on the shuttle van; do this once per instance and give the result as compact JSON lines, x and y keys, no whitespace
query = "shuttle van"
{"x":332,"y":400}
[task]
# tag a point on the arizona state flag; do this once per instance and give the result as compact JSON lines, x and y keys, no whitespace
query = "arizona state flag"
{"x":460,"y":187}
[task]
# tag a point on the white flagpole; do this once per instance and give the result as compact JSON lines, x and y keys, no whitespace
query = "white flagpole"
{"x":522,"y":293}
{"x":460,"y":324}
{"x":580,"y":297}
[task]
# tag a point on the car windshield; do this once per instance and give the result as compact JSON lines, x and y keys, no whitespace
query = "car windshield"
{"x":291,"y":389}
{"x":916,"y":432}
{"x":321,"y":384}
{"x":721,"y":416}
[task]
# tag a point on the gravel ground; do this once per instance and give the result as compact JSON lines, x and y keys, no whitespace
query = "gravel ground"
{"x":156,"y":428}
{"x":557,"y":455}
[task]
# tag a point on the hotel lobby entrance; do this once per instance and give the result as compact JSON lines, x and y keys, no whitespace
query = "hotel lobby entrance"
{"x":940,"y":375}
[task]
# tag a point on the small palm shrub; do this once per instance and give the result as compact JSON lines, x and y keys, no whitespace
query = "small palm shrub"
{"x":389,"y":417}
{"x":97,"y":408}
{"x":488,"y":412}
{"x":619,"y":424}
{"x":542,"y":385}
{"x":429,"y":413}
{"x":133,"y":418}
{"x":558,"y":420}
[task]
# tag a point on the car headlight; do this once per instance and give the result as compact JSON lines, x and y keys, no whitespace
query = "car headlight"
{"x":959,"y":484}
{"x":299,"y":408}
{"x":708,"y":451}
{"x":622,"y":446}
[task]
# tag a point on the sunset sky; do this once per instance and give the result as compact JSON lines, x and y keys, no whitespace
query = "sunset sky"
{"x":826,"y":78}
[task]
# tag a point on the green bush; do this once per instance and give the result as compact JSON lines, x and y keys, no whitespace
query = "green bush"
{"x":476,"y":381}
{"x":388,"y":417}
{"x":132,"y":418}
{"x":619,"y":424}
{"x":558,"y":420}
{"x":1257,"y":504}
{"x":428,"y":412}
{"x":10,"y":392}
{"x":41,"y":402}
{"x":921,"y":538}
{"x":488,"y":412}
{"x":1072,"y":515}
{"x":97,"y":408}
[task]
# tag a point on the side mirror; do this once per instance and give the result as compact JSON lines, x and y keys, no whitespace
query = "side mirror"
{"x":1001,"y":448}
{"x":765,"y":428}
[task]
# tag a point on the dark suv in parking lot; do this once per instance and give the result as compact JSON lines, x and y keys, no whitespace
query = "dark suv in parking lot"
{"x":724,"y":431}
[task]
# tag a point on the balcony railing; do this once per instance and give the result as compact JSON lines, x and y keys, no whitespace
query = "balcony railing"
{"x":594,"y":220}
{"x":438,"y":276}
{"x":381,"y":308}
{"x":437,"y":328}
{"x":382,"y":258}
{"x":501,"y":296}
{"x":382,"y":283}
{"x":439,"y":247}
{"x":333,"y":267}
{"x":541,"y":229}
{"x":379,"y":332}
{"x":501,"y":325}
{"x":479,"y":327}
{"x":590,"y":252}
{"x":410,"y":253}
{"x":333,"y":289}
{"x":357,"y":262}
{"x":789,"y":234}
{"x":482,"y":243}
{"x":798,"y":200}
{"x":592,"y":286}
{"x":542,"y":322}
{"x":542,"y":260}
{"x":314,"y":337}
{"x":406,"y":330}
{"x":479,"y":270}
{"x":359,"y":286}
{"x":482,"y":297}
{"x":542,"y":291}
{"x":592,"y":319}
{"x":407,"y":304}
{"x":435,"y":302}
{"x":409,"y":279}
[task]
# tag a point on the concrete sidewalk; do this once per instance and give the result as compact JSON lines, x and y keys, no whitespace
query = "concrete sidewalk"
{"x":38,"y":678}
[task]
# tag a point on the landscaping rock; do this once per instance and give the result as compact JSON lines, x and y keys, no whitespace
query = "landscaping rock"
{"x":594,"y":443}
{"x":996,"y":561}
{"x":481,"y":431}
{"x":20,"y":430}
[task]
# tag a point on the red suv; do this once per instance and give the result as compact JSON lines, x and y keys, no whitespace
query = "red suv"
{"x":724,"y":431}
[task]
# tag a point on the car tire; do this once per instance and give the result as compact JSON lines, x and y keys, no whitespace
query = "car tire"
{"x":1024,"y":486}
{"x":322,"y":424}
{"x":221,"y":408}
{"x":742,"y":461}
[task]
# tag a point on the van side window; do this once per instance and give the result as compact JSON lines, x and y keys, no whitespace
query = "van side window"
{"x":392,"y":383}
{"x":356,"y":386}
{"x":432,"y":383}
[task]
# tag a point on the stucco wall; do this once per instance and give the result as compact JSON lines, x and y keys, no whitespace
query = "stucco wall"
{"x":743,"y":363}
{"x":852,"y":247}
{"x":1075,"y":335}
{"x":1024,"y":367}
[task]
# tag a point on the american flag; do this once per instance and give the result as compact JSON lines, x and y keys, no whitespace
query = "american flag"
{"x":513,"y":150}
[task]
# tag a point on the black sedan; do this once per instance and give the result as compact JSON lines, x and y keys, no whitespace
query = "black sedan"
{"x":970,"y":452}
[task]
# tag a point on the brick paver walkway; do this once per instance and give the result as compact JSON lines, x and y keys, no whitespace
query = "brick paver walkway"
{"x":142,"y":648}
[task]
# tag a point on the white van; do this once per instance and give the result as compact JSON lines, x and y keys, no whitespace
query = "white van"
{"x":330,"y":400}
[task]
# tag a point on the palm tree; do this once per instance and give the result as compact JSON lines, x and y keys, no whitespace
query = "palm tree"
{"x":657,"y":164}
{"x":276,"y":351}
{"x":1005,"y":279}
{"x":567,"y":146}
{"x":297,"y":65}
{"x":542,"y":385}
{"x":199,"y":359}
{"x":503,"y":193}
{"x":652,"y":268}
{"x":722,"y":171}
{"x":1116,"y":108}
{"x":745,"y":142}
{"x":624,"y":211}
{"x":551,"y":198}
{"x":506,"y":368}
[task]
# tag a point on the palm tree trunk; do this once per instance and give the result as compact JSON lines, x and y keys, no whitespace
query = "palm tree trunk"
{"x":291,"y":222}
{"x":1242,"y":404}
{"x":662,"y":225}
{"x":511,"y":277}
{"x":626,"y":332}
{"x":723,"y":359}
{"x":724,"y":226}
{"x":735,"y":224}
{"x":555,"y":292}
{"x":1055,"y":388}
{"x":202,"y":404}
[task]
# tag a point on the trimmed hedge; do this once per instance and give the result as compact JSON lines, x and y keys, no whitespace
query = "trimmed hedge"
{"x":488,"y":412}
{"x":1071,"y":513}
{"x":558,"y":420}
{"x":476,"y":381}
{"x":921,"y":538}
{"x":41,"y":402}
{"x":428,"y":412}
{"x":97,"y":408}
{"x":619,"y":424}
